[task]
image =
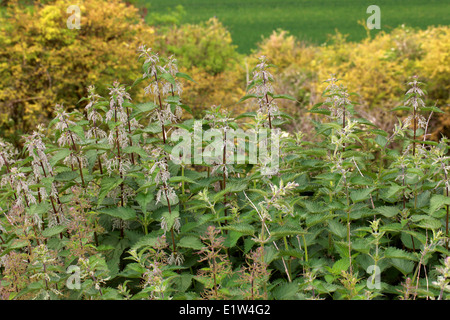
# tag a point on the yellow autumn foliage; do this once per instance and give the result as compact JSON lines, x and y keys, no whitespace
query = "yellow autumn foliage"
{"x":377,"y":69}
{"x":43,"y":62}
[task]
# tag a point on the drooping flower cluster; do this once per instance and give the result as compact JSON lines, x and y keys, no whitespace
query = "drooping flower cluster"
{"x":337,"y":99}
{"x":94,"y":132}
{"x":40,"y":163}
{"x":68,"y":138}
{"x":261,"y":87}
{"x":118,"y":138}
{"x":163,"y":82}
{"x":223,"y":147}
{"x":162,"y":176}
{"x":414,"y":99}
{"x":7,"y":153}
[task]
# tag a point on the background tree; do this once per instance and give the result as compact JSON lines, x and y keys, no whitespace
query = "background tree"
{"x":43,"y":62}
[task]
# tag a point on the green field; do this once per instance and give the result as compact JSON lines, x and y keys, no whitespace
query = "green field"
{"x":306,"y":19}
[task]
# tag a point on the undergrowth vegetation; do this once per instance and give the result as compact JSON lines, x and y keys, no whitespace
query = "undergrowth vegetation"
{"x":107,"y":203}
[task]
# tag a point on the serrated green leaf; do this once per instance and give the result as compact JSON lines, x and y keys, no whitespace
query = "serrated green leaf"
{"x":337,"y":228}
{"x":381,"y":141}
{"x":246,"y":97}
{"x":396,"y":253}
{"x":178,"y":179}
{"x":404,"y":266}
{"x":191,"y":242}
{"x":388,"y":211}
{"x":124,"y":213}
{"x":184,"y":76}
{"x":62,"y":154}
{"x":340,"y":265}
{"x":438,"y":201}
{"x":52,"y":231}
{"x":66,"y":176}
{"x":315,"y":219}
{"x":285,"y":291}
{"x":284,"y":96}
{"x":106,"y":185}
{"x":243,"y":228}
{"x":170,"y":218}
{"x":286,"y":231}
{"x":361,"y":194}
{"x":169,"y":78}
{"x":135,"y":149}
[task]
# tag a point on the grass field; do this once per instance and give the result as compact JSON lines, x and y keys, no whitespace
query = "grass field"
{"x":308,"y":20}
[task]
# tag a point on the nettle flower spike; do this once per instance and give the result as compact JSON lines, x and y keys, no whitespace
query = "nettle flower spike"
{"x":263,"y":78}
{"x":94,"y":116}
{"x":261,"y":87}
{"x":116,"y":111}
{"x":36,"y":149}
{"x":7,"y":153}
{"x":63,"y":124}
{"x":93,"y":98}
{"x":152,"y":59}
{"x":414,"y":100}
{"x":20,"y":184}
{"x":63,"y":118}
{"x":337,"y":98}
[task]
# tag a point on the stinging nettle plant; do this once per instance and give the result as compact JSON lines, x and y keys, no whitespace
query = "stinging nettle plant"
{"x":106,"y":202}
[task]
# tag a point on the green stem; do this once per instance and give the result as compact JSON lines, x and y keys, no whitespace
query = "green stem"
{"x":306,"y":248}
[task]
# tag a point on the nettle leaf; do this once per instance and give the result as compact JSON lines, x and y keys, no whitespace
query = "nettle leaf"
{"x":143,"y":199}
{"x":388,"y":211}
{"x":402,"y":265}
{"x":381,"y":141}
{"x":170,"y":218}
{"x":246,"y":97}
{"x":286,"y":230}
{"x":250,"y":114}
{"x":124,"y":213}
{"x":135,"y":149}
{"x":361,"y":194}
{"x":143,"y":107}
{"x":178,"y":179}
{"x":292,"y":253}
{"x":396,"y":253}
{"x":286,"y":291}
{"x":39,"y":208}
{"x":426,"y":222}
{"x":315,"y":207}
{"x":337,"y":228}
{"x":52,"y":231}
{"x":402,"y":108}
{"x":149,"y":240}
{"x":339,"y":266}
{"x":243,"y":228}
{"x":106,"y":185}
{"x":232,"y":238}
{"x":284,"y":96}
{"x":438,"y":201}
{"x":98,"y":146}
{"x":184,"y":76}
{"x":315,"y":219}
{"x":361,"y":181}
{"x":169,"y":78}
{"x":61,"y":154}
{"x":392,"y":192}
{"x":191,"y":242}
{"x":66,"y":176}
